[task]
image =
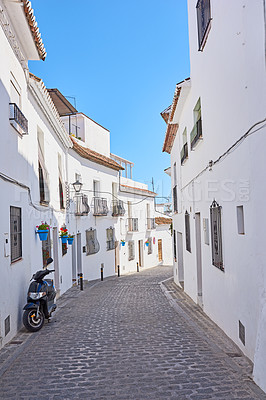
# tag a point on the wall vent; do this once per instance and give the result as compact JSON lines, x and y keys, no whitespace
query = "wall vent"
{"x":7,"y":325}
{"x":241,"y":332}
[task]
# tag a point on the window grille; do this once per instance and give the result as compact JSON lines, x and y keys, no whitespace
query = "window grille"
{"x":61,"y":195}
{"x":46,"y":249}
{"x":110,"y":236}
{"x":15,"y":233}
{"x":64,"y":248}
{"x":174,"y":239}
{"x":132,"y":224}
{"x":92,"y":244}
{"x":100,"y":206}
{"x":131,"y":250}
{"x":216,"y":235}
{"x":150,"y":245}
{"x":81,"y":205}
{"x":43,"y":174}
{"x":175,"y":198}
{"x":203,"y":18}
{"x":187,"y":227}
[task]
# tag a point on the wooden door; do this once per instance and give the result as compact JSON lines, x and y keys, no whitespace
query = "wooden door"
{"x":160,"y":249}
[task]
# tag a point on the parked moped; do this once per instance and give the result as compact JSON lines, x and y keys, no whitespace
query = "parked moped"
{"x":40,"y":300}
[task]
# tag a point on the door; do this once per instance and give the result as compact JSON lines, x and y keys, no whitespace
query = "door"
{"x":198,"y":258}
{"x":56,"y":263}
{"x":116,"y":255}
{"x":79,"y":254}
{"x":180,"y":262}
{"x":160,"y":250}
{"x":141,"y":253}
{"x":74,"y":262}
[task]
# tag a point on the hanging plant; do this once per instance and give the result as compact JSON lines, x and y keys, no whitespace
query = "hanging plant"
{"x":70,"y":239}
{"x":63,"y":234}
{"x":43,"y":230}
{"x":123,"y":242}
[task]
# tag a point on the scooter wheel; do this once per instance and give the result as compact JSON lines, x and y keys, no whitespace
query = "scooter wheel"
{"x":32,"y":320}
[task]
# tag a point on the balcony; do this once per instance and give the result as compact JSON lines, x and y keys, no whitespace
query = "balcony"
{"x":132,"y":225}
{"x":81,"y":205}
{"x":17,"y":119}
{"x":100,"y":206}
{"x":150,"y":223}
{"x":184,"y":153}
{"x":118,"y":208}
{"x":196,"y":134}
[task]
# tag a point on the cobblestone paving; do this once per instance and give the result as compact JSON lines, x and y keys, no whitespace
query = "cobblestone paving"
{"x":121,"y":339}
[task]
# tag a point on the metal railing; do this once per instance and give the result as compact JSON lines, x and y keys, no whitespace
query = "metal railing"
{"x":100,"y":206}
{"x":196,"y":133}
{"x":17,"y":116}
{"x":118,"y":208}
{"x":184,"y":153}
{"x":133,"y":225}
{"x":81,"y":205}
{"x":150,"y":223}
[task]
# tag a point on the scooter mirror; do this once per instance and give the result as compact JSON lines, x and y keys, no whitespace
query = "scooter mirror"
{"x":49,"y":261}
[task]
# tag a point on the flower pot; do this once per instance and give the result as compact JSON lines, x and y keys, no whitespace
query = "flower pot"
{"x":70,"y":240}
{"x":123,"y":243}
{"x":147,"y":244}
{"x":64,"y":239}
{"x":43,"y":234}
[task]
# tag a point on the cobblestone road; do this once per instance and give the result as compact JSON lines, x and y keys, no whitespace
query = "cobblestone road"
{"x":121,"y":339}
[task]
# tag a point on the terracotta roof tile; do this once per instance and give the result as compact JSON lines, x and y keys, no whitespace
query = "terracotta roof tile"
{"x":170,"y":137}
{"x":163,"y":221}
{"x":166,"y":113}
{"x":34,"y":28}
{"x":95,"y":157}
{"x":140,"y":190}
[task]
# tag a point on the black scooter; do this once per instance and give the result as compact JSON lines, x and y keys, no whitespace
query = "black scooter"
{"x":40,"y":300}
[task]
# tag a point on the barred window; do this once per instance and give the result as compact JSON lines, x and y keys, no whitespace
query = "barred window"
{"x":92,"y":244}
{"x":216,"y":235}
{"x":131,"y":250}
{"x":46,"y":249}
{"x":203,"y":18}
{"x":174,"y":240}
{"x":15,"y":233}
{"x":110,"y":238}
{"x":150,"y":245}
{"x":64,"y":248}
{"x":187,"y":227}
{"x":43,"y":173}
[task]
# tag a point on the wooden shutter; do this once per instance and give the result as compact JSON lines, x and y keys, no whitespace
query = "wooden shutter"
{"x":15,"y":233}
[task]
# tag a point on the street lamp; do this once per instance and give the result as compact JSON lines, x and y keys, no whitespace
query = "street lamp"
{"x":77,"y":186}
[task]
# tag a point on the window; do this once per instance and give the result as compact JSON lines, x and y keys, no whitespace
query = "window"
{"x":184,"y":151}
{"x":196,"y":133}
{"x":110,"y":238}
{"x":206,"y":231}
{"x":240,"y":220}
{"x":187,"y":228}
{"x":96,"y":188}
{"x":60,"y":183}
{"x":175,"y":190}
{"x":43,"y":174}
{"x":174,"y":239}
{"x":15,"y":233}
{"x":64,"y":248}
{"x":92,"y":244}
{"x":46,"y":249}
{"x":216,"y":235}
{"x":204,"y":21}
{"x":150,"y":245}
{"x":131,"y":250}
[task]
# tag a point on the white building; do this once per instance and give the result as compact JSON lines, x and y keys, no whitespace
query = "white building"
{"x":215,"y":135}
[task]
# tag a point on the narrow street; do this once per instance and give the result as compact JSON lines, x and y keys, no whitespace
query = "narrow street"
{"x":122,"y":339}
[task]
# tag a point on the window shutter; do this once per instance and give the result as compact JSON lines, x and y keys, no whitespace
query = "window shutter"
{"x":15,"y":233}
{"x":216,"y":235}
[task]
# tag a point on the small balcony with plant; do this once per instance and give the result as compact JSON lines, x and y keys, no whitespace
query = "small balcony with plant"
{"x":132,"y":225}
{"x":81,"y":204}
{"x":100,"y":206}
{"x":118,"y":209}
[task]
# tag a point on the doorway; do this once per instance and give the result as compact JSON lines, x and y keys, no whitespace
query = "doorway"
{"x":198,"y":258}
{"x":160,"y":250}
{"x":56,"y":263}
{"x":116,"y":255}
{"x":74,"y":262}
{"x":141,"y":253}
{"x":180,"y":262}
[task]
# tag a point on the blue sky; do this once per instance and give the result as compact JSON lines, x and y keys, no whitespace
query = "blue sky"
{"x":121,"y":60}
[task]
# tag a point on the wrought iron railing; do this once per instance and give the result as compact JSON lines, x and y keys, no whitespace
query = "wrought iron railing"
{"x":184,"y":153}
{"x":133,"y":225}
{"x":118,"y":208}
{"x":150,"y":223}
{"x":196,"y":133}
{"x":100,"y":206}
{"x":19,"y":118}
{"x":81,"y":205}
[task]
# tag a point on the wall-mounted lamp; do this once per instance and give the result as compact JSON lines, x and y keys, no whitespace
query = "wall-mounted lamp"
{"x":77,"y":186}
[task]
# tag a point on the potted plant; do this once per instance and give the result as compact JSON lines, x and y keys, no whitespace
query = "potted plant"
{"x":43,"y":230}
{"x":147,"y":243}
{"x":63,"y":234}
{"x":123,"y":242}
{"x":70,"y":239}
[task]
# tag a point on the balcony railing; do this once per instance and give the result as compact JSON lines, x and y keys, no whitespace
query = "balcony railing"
{"x":133,"y":224}
{"x":196,"y":134}
{"x":100,"y":206}
{"x":150,"y":223}
{"x":81,"y":205}
{"x":118,"y":208}
{"x":184,"y":153}
{"x":17,"y":118}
